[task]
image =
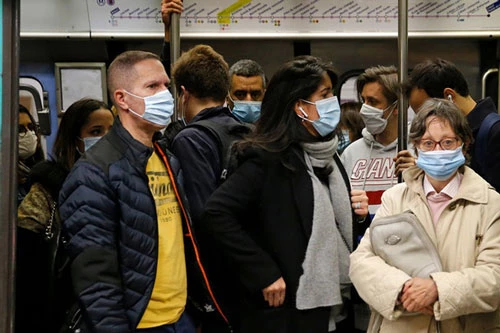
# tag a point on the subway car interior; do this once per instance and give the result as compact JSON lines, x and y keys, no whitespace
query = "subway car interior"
{"x":352,"y":35}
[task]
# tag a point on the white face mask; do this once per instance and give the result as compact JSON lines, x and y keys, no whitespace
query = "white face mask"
{"x":373,"y":118}
{"x":27,"y":144}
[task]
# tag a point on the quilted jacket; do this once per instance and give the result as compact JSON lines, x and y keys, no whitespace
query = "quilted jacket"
{"x":109,"y":216}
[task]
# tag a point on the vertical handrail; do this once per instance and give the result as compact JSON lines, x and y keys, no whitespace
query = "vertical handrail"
{"x":175,"y":52}
{"x":9,"y":43}
{"x":403,"y":74}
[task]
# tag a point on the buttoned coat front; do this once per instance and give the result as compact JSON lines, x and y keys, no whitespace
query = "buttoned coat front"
{"x":467,"y":238}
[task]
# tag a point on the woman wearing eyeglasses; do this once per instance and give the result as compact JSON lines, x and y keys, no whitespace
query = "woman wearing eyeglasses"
{"x":460,"y":212}
{"x":30,"y":151}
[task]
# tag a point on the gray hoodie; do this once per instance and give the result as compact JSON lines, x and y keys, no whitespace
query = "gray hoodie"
{"x":371,"y":167}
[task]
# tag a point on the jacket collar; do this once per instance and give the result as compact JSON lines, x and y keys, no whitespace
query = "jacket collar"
{"x":136,"y":152}
{"x":472,"y":189}
{"x":480,"y":111}
{"x":213,"y":112}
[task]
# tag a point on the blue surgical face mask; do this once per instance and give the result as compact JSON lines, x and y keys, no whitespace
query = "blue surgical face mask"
{"x":329,"y":115}
{"x":246,"y":111}
{"x":344,"y":141}
{"x":440,"y":164}
{"x":158,"y":108}
{"x":90,"y":141}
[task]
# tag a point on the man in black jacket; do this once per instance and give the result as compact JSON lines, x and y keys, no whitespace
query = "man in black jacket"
{"x":440,"y":78}
{"x":202,"y":81}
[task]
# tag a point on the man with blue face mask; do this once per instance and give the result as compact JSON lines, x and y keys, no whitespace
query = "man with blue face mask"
{"x":369,"y":160}
{"x":125,"y":215}
{"x":248,"y":85}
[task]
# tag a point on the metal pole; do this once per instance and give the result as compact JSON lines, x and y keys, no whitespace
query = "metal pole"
{"x":9,"y":44}
{"x":403,"y":74}
{"x":175,"y":52}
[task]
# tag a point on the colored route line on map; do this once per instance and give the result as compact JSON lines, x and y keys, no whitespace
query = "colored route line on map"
{"x":224,"y":16}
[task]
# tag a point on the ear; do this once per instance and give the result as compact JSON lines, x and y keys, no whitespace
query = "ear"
{"x":119,"y":97}
{"x":299,"y":111}
{"x":449,"y":94}
{"x":183,"y":92}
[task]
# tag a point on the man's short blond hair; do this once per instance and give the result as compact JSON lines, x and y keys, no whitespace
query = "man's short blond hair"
{"x":121,"y":71}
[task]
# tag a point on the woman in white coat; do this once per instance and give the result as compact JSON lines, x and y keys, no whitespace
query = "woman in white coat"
{"x":460,"y":212}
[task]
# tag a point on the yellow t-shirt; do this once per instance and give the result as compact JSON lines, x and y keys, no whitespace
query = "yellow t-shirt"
{"x":168,"y":299}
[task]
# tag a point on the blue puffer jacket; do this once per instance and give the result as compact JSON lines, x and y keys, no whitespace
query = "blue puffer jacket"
{"x":110,"y":219}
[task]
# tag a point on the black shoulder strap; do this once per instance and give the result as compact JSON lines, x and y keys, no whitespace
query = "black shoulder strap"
{"x":225,"y":135}
{"x":481,"y":144}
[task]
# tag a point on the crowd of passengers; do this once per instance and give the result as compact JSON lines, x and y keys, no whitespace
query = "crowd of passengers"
{"x":164,"y":227}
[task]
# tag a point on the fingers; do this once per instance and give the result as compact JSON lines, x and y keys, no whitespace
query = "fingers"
{"x":274,"y":294}
{"x":359,"y":202}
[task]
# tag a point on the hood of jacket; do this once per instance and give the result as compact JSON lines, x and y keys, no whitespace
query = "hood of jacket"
{"x":369,"y":139}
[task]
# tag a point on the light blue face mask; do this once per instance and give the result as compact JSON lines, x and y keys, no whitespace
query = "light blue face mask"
{"x":329,"y":115}
{"x":90,"y":141}
{"x":246,"y":111}
{"x":158,"y":108}
{"x":440,"y":164}
{"x":344,"y":141}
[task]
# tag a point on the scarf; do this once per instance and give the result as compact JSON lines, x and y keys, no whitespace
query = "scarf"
{"x":326,"y":263}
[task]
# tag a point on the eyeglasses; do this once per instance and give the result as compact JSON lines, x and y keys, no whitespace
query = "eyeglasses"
{"x":445,"y":143}
{"x":23,"y":129}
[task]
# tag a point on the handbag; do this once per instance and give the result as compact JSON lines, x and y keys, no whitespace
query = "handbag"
{"x":402,"y":242}
{"x":67,"y":317}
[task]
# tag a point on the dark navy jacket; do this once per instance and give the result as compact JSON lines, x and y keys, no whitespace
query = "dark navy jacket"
{"x":492,"y":163}
{"x":110,"y":218}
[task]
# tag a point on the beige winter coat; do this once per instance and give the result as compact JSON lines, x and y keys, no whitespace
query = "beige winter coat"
{"x":467,"y":238}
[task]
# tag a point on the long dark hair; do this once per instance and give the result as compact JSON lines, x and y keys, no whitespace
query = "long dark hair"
{"x":278,"y":126}
{"x":74,"y":118}
{"x":38,"y":155}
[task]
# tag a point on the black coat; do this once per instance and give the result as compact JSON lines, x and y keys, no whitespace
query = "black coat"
{"x":261,"y":218}
{"x":492,"y":163}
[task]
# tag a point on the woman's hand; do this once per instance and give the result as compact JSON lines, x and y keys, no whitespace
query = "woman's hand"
{"x":419,"y":295}
{"x":274,"y":294}
{"x":359,"y":202}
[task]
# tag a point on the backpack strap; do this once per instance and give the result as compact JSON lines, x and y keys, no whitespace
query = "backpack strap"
{"x":481,"y":144}
{"x":225,"y":135}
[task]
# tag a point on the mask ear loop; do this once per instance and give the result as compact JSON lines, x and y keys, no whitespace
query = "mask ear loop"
{"x":303,"y":112}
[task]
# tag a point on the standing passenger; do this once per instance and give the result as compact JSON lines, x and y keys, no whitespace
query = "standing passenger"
{"x":284,"y":218}
{"x":30,"y":151}
{"x":351,"y":124}
{"x":248,"y":85}
{"x":439,"y":78}
{"x":369,"y":161}
{"x":460,"y":213}
{"x":82,"y":124}
{"x":202,"y":80}
{"x":123,"y":213}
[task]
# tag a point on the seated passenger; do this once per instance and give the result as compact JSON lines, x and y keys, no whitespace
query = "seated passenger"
{"x":83,"y":123}
{"x":460,"y":213}
{"x":285,"y":218}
